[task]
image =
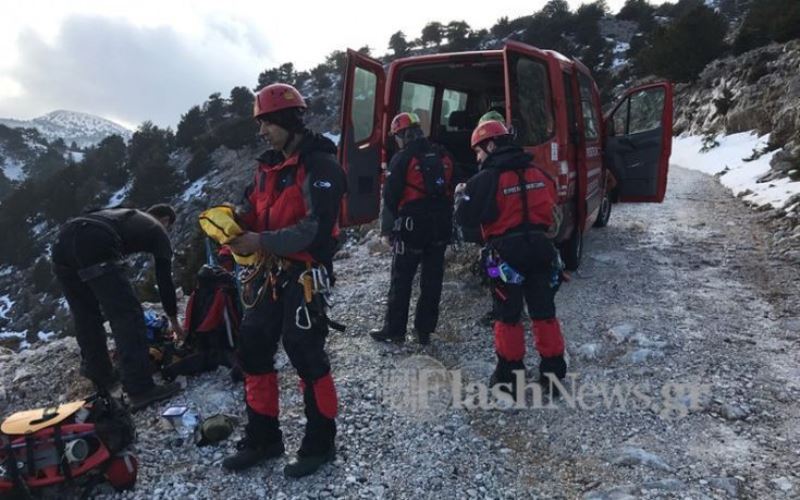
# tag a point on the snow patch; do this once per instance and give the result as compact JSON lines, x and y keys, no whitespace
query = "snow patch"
{"x":120,"y":195}
{"x":39,"y":228}
{"x":5,"y":305}
{"x":45,"y":336}
{"x":13,"y":169}
{"x":735,"y":173}
{"x":334,"y":137}
{"x":8,"y":334}
{"x":5,"y":271}
{"x":195,"y":189}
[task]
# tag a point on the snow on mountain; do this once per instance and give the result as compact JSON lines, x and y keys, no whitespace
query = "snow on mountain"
{"x":83,"y":128}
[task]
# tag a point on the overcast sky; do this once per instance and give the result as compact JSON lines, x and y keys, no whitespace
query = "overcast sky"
{"x":131,"y":61}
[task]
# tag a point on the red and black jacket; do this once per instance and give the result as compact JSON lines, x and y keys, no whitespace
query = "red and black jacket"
{"x":498,"y":197}
{"x":404,"y":190}
{"x":294,"y":202}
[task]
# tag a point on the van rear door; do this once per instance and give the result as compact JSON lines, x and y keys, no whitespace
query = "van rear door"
{"x":360,"y":144}
{"x":639,"y":142}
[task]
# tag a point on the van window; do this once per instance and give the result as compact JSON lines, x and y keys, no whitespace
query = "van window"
{"x":452,"y":100}
{"x":418,"y":98}
{"x":532,"y":110}
{"x":588,"y":108}
{"x":645,"y":111}
{"x":640,"y":112}
{"x":363,"y":108}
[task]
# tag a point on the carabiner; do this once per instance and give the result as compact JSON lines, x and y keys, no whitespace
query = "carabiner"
{"x":298,"y":318}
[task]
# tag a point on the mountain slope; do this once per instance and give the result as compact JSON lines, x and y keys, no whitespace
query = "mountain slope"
{"x":82,"y":128}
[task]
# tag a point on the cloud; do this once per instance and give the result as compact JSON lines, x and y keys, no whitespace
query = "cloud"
{"x":113,"y":68}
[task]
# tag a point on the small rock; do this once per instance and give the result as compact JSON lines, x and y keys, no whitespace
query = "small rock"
{"x":22,"y":374}
{"x":734,"y":412}
{"x":782,"y":483}
{"x":640,"y":356}
{"x":621,"y":333}
{"x":588,"y":351}
{"x":665,"y":484}
{"x":729,"y":485}
{"x":637,"y":456}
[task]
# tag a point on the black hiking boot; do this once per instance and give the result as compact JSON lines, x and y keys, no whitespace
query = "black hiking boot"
{"x":249,"y":454}
{"x":382,"y":336}
{"x":150,"y":396}
{"x":424,"y":338}
{"x":306,"y":465}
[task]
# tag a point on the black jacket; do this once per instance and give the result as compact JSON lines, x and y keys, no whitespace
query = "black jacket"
{"x":140,"y":232}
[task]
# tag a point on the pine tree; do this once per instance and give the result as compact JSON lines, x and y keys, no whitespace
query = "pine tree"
{"x":398,"y":44}
{"x":681,"y":51}
{"x":154,"y":180}
{"x":192,"y":124}
{"x":432,"y":33}
{"x":241,"y":102}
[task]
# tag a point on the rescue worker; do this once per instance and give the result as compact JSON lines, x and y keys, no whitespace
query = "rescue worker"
{"x":291,"y":211}
{"x":515,"y":202}
{"x":418,"y":213}
{"x":87,"y":261}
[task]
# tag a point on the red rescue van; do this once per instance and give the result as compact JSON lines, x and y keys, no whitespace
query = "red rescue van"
{"x":553,"y":105}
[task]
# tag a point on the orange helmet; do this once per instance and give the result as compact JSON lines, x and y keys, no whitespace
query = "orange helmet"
{"x":402,"y":121}
{"x":488,"y":130}
{"x":276,"y":97}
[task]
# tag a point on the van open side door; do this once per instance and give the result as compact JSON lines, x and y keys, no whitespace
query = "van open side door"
{"x":361,"y":143}
{"x":639,"y":142}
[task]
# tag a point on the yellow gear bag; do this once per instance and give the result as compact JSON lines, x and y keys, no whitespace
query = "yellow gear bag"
{"x":30,"y":421}
{"x":219,"y":223}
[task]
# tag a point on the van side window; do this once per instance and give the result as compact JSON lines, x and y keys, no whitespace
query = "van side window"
{"x":588,"y":109}
{"x":645,"y":110}
{"x":640,"y":112}
{"x":418,"y":98}
{"x":452,"y":100}
{"x":363,"y":108}
{"x":532,"y":109}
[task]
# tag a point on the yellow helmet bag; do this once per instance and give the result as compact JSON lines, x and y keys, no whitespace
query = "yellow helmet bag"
{"x":220,"y":224}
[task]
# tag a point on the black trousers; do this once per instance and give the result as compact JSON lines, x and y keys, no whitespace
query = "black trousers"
{"x":533,"y":256}
{"x":405,"y":262}
{"x":280,"y":316}
{"x":108,"y":294}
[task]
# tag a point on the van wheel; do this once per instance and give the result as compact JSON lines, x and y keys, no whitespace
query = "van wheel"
{"x":572,"y":250}
{"x":605,"y":212}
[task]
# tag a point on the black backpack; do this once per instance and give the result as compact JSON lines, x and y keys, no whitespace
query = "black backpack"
{"x":431,"y":166}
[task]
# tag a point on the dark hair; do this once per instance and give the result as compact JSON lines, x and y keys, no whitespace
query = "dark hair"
{"x":503,"y":140}
{"x":290,"y":119}
{"x":410,"y":133}
{"x":160,"y":210}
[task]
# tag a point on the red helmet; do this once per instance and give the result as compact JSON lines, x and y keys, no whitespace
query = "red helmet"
{"x":488,"y":130}
{"x":121,"y":471}
{"x":276,"y":97}
{"x":402,"y":121}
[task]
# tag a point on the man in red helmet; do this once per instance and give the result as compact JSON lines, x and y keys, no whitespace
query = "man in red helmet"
{"x":291,"y":211}
{"x":514,"y":202}
{"x":418,"y":212}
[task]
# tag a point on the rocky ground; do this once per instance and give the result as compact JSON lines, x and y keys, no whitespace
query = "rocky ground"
{"x":691,"y":292}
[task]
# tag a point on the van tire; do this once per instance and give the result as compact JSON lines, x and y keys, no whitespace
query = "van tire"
{"x":572,"y":250}
{"x":605,"y":212}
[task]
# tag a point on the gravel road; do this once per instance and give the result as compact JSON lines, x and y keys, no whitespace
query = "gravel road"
{"x":682,"y":331}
